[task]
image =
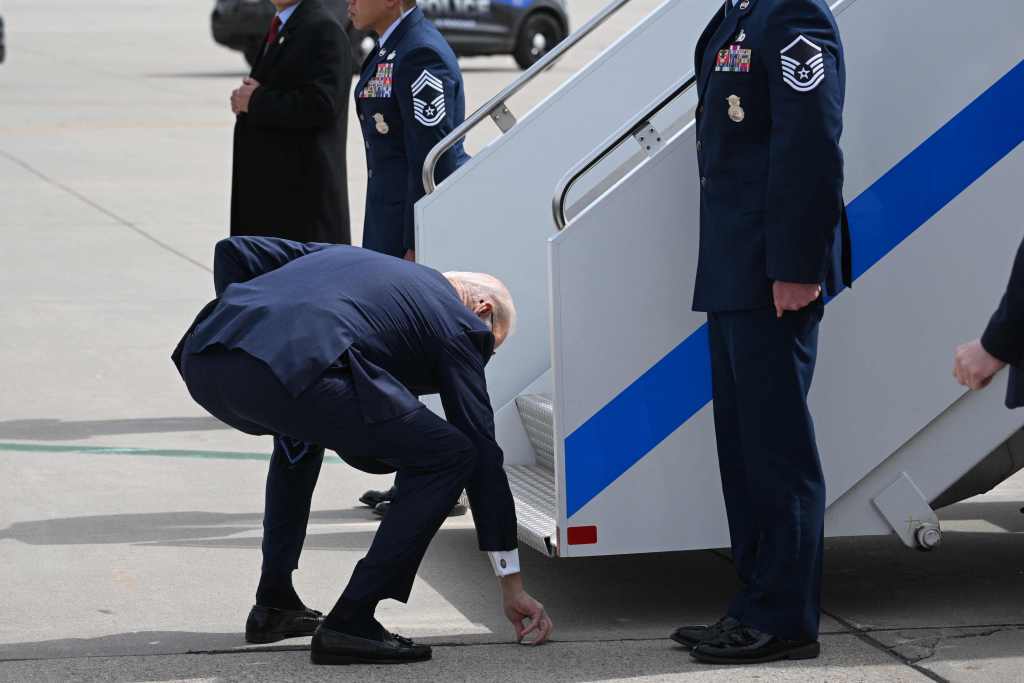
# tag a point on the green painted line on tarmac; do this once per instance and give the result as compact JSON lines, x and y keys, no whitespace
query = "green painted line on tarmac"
{"x":146,"y":452}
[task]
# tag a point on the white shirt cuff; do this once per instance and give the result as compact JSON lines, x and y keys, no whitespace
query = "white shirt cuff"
{"x":505,"y":562}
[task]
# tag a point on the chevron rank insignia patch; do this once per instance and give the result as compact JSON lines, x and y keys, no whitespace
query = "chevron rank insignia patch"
{"x":803,"y":65}
{"x":428,"y":99}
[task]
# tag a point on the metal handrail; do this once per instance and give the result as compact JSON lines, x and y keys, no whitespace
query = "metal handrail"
{"x":495,"y":107}
{"x":637,"y":124}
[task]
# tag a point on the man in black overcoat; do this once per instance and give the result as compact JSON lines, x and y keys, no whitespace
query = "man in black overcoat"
{"x":288,"y":174}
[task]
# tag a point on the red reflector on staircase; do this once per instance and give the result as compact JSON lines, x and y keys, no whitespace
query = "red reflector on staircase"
{"x":582,"y":535}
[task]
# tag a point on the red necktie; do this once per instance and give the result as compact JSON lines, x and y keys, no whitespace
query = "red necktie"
{"x":275,"y":26}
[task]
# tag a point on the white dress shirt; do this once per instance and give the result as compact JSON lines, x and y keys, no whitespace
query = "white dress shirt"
{"x":505,"y":562}
{"x":391,"y":29}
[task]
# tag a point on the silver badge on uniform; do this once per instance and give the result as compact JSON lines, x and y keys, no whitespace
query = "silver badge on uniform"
{"x":391,"y":56}
{"x":745,"y":4}
{"x":742,"y":36}
{"x":736,"y":112}
{"x":280,"y":41}
{"x":382,"y":125}
{"x":803,"y":65}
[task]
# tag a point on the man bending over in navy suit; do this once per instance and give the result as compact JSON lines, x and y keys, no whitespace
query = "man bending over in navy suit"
{"x":338,"y":364}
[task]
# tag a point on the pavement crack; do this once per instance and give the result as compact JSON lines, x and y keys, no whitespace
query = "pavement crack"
{"x":866,"y":638}
{"x":907,"y":648}
{"x":102,"y":209}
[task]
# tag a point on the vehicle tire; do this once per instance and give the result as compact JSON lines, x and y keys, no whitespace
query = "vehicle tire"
{"x":252,"y":52}
{"x":540,"y":33}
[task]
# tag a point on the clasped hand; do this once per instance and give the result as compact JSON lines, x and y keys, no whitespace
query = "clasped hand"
{"x":240,"y":97}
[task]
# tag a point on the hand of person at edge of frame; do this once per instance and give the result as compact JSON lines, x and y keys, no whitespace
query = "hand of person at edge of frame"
{"x":526,"y":614}
{"x":410,"y":255}
{"x":792,"y":296}
{"x":973,"y":366}
{"x":240,"y":97}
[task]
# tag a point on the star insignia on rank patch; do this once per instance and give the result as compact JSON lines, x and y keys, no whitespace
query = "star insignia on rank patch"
{"x":803,"y":65}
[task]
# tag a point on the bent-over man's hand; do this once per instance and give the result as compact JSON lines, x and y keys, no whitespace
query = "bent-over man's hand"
{"x":240,"y":97}
{"x":526,"y":614}
{"x":973,"y":366}
{"x":792,"y":296}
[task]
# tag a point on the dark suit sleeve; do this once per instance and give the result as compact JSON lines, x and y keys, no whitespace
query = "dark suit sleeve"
{"x":426,"y":92}
{"x":805,"y":174}
{"x":321,"y":97}
{"x":1004,"y":336}
{"x":237,"y":259}
{"x":463,"y":389}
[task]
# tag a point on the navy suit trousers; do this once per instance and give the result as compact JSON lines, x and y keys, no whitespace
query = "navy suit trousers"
{"x":761,"y":370}
{"x":433,"y":460}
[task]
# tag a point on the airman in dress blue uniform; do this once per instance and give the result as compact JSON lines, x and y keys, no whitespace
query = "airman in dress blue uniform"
{"x":409,"y":97}
{"x":771,"y":83}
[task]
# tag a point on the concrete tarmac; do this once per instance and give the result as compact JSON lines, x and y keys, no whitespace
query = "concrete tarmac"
{"x":130,"y":520}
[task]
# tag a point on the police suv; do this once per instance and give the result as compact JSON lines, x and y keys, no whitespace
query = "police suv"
{"x":526,"y":29}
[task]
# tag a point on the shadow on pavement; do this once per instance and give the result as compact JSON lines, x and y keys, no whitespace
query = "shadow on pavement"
{"x":973,"y":579}
{"x":59,"y":430}
{"x":209,"y":529}
{"x":135,"y":643}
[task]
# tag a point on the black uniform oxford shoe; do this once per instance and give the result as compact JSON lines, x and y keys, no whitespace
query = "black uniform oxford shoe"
{"x":269,"y":624}
{"x":692,"y":636}
{"x":746,"y":645}
{"x":334,"y":647}
{"x":374,"y":498}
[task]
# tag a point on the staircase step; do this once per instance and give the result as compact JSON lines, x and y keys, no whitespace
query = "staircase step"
{"x":533,"y":488}
{"x":537,"y":412}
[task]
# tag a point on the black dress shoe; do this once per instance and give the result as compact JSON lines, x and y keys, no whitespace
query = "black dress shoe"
{"x":374,"y":498}
{"x":269,"y":625}
{"x":746,"y":645}
{"x":334,"y":647}
{"x":692,"y":636}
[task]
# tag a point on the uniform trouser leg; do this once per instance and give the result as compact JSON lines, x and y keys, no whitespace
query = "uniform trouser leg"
{"x":434,"y":461}
{"x":743,"y":534}
{"x":291,"y":478}
{"x":773,"y":466}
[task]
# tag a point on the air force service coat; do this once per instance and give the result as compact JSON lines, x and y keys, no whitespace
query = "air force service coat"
{"x":289,"y":177}
{"x":771,"y":81}
{"x":410,"y":95}
{"x":398,"y":327}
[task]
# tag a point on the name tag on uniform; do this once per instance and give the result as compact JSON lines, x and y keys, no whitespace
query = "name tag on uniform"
{"x":380,"y":84}
{"x":733,"y":58}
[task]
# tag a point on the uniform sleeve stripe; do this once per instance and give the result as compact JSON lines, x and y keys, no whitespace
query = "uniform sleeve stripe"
{"x":426,"y":78}
{"x":804,"y":87}
{"x":791,"y":71}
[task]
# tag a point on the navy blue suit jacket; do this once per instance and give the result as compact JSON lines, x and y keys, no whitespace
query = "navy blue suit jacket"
{"x":1004,"y":335}
{"x":409,"y":96}
{"x":398,"y":326}
{"x":771,"y":83}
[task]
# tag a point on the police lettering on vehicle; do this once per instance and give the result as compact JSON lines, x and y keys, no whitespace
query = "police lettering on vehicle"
{"x":443,"y":7}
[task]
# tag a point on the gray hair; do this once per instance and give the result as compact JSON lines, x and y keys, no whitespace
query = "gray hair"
{"x":476,"y":287}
